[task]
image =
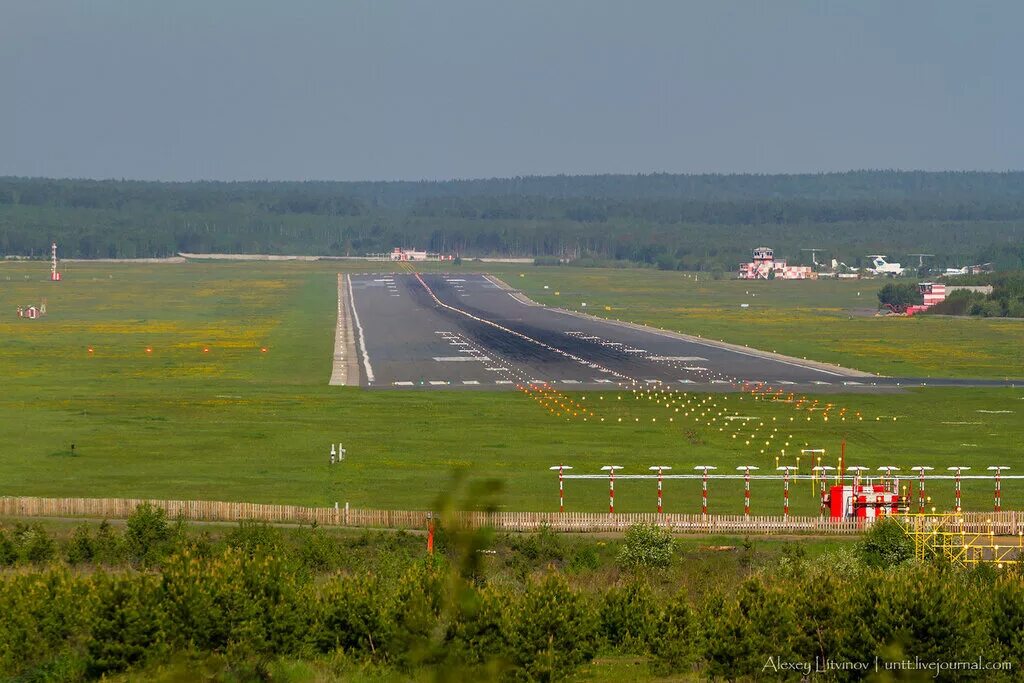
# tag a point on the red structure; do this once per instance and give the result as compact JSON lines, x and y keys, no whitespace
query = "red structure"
{"x":866,"y":501}
{"x":932,"y":293}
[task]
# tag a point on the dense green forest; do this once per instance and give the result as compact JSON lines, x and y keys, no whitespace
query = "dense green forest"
{"x":700,"y":222}
{"x":162,"y":601}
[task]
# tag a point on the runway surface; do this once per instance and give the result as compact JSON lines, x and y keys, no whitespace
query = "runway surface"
{"x":470,"y":332}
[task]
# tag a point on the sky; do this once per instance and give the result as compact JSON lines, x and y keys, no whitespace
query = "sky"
{"x":438,"y":89}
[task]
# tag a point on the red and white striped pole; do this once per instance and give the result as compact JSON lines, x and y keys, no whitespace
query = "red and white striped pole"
{"x":956,"y":507}
{"x":661,"y":477}
{"x":785,"y":490}
{"x":920,"y":487}
{"x":704,"y":488}
{"x":894,"y":484}
{"x":822,"y":472}
{"x":561,"y":485}
{"x":998,"y":503}
{"x":746,"y":487}
{"x":611,"y":486}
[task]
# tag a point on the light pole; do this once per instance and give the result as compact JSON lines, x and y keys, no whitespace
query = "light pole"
{"x":821,"y":471}
{"x":957,"y":470}
{"x":561,"y":485}
{"x":812,"y":452}
{"x":661,"y":475}
{"x":746,"y":487}
{"x":920,"y":469}
{"x":999,"y":475}
{"x":785,"y":490}
{"x":610,"y":469}
{"x":704,"y":488}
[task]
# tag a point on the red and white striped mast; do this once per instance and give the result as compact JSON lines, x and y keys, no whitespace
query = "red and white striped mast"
{"x":661,"y":476}
{"x":920,"y":469}
{"x":746,"y":487}
{"x":856,"y":469}
{"x":998,"y":505}
{"x":888,"y":469}
{"x":822,"y":473}
{"x":561,"y":485}
{"x":957,"y":469}
{"x":704,"y":488}
{"x":610,"y":469}
{"x":785,"y":489}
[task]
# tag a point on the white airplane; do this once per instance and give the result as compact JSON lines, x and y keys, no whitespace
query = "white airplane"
{"x":883,"y":267}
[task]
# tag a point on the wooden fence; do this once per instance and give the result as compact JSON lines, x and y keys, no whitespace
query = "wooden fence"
{"x":1008,"y":523}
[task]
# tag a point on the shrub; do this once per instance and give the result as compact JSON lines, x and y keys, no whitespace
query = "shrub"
{"x":108,"y":546}
{"x":147,"y":534}
{"x":551,"y":631}
{"x":318,"y":552}
{"x":544,"y":546}
{"x":349,"y":617}
{"x":80,"y":548}
{"x":34,"y":544}
{"x":627,"y":617}
{"x":253,"y":538}
{"x":126,"y":626}
{"x":585,"y":559}
{"x":885,"y":544}
{"x":8,"y":551}
{"x":646,"y":545}
{"x":674,"y":639}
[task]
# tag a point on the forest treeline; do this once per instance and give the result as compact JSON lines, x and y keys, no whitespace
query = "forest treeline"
{"x":700,"y":222}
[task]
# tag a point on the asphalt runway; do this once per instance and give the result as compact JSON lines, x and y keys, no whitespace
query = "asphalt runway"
{"x":470,"y":332}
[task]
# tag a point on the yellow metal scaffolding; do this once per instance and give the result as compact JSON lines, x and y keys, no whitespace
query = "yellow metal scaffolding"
{"x":962,"y":540}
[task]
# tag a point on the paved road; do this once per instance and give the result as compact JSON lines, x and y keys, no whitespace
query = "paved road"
{"x":467,"y":331}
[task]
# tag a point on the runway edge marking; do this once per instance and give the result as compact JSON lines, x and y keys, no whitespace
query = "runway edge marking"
{"x":362,"y":338}
{"x":344,"y":365}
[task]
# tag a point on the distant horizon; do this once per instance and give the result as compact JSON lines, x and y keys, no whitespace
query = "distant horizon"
{"x":457,"y":179}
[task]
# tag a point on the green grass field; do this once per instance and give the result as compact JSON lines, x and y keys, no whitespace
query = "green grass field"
{"x":237,"y":423}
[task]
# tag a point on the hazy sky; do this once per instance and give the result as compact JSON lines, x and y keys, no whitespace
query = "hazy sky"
{"x":349,"y":89}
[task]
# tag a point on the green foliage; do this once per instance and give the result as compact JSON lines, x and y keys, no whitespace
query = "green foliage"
{"x":628,"y":617}
{"x":255,"y":538}
{"x":81,"y":548}
{"x":550,"y":631}
{"x":674,"y":641}
{"x":8,"y":551}
{"x":899,"y":295}
{"x":585,"y":558}
{"x":586,"y":217}
{"x":109,"y":546}
{"x":235,"y":616}
{"x":543,"y":546}
{"x":885,"y":544}
{"x":33,"y":544}
{"x":646,"y":545}
{"x":127,"y":624}
{"x":147,"y":534}
{"x":318,"y":552}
